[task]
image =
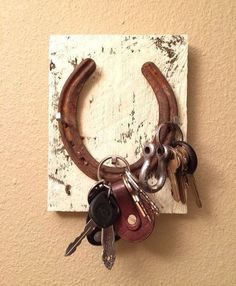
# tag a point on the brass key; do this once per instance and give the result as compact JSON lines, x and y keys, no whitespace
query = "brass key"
{"x":188,"y":171}
{"x":193,"y":187}
{"x":182,"y":187}
{"x":180,"y":175}
{"x":172,"y":168}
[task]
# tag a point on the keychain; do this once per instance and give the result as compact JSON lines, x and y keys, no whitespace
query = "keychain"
{"x":119,"y":203}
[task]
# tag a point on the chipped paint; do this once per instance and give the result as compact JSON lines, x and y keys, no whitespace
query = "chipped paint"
{"x":118,"y":111}
{"x":67,"y":189}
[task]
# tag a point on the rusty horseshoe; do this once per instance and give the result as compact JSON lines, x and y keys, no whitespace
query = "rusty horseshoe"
{"x":68,"y":125}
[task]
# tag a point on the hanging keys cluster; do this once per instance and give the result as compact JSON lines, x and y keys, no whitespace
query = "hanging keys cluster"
{"x":120,"y":205}
{"x":124,"y":209}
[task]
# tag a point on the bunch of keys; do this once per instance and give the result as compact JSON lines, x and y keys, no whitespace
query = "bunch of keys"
{"x":121,"y":206}
{"x":103,"y":212}
{"x":177,"y":161}
{"x":104,"y":215}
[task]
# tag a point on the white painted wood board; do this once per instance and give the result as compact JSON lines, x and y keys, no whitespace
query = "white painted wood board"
{"x":118,"y":109}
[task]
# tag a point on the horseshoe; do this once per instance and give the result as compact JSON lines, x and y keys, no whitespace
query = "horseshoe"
{"x":68,"y":125}
{"x":159,"y":84}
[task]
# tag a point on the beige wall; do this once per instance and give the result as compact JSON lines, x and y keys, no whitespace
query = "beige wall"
{"x":193,"y":249}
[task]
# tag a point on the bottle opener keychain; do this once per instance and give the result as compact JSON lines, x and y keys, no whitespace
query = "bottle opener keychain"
{"x":119,"y":203}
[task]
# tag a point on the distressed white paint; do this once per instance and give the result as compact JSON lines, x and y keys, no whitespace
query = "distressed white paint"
{"x":118,"y":109}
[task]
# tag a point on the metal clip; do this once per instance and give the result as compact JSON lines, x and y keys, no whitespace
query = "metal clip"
{"x":163,"y":153}
{"x":148,"y":153}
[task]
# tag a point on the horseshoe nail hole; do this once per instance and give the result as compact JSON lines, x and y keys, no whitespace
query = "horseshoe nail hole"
{"x":132,"y":219}
{"x":160,"y":150}
{"x":67,"y":189}
{"x":84,"y":161}
{"x":147,"y":150}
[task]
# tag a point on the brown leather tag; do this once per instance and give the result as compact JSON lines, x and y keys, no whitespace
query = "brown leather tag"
{"x":131,"y":225}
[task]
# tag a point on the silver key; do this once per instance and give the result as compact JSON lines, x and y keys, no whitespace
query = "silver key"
{"x":142,"y":194}
{"x":136,"y":198}
{"x":89,"y":227}
{"x":108,"y":243}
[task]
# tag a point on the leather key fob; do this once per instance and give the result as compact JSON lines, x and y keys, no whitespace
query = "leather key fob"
{"x":131,"y":225}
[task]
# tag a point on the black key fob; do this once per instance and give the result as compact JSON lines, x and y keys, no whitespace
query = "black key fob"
{"x":99,"y":187}
{"x":104,"y":210}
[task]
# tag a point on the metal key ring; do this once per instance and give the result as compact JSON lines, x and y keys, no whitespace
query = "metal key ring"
{"x":127,"y":166}
{"x":166,"y":125}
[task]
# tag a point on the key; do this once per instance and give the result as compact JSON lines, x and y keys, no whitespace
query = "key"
{"x":94,"y":237}
{"x":180,"y":175}
{"x":142,"y":194}
{"x":193,"y":187}
{"x":108,"y":242}
{"x":89,"y":227}
{"x":172,"y":168}
{"x":189,"y":170}
{"x":103,"y":215}
{"x":188,"y":184}
{"x":103,"y":212}
{"x":189,"y":151}
{"x":136,"y":198}
{"x":182,"y":187}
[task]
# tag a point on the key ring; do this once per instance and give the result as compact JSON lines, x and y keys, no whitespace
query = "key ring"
{"x":127,"y":166}
{"x":171,"y":125}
